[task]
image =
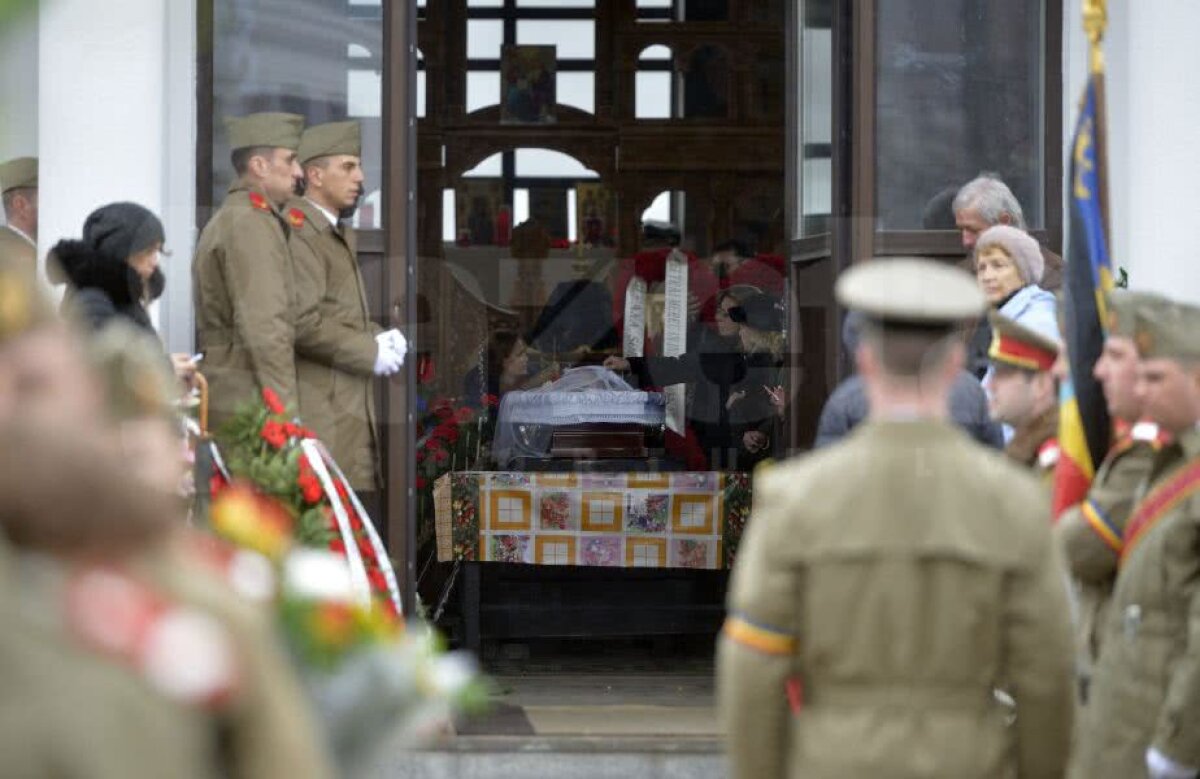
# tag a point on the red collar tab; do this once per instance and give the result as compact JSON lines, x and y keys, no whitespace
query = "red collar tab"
{"x":296,"y":218}
{"x":259,"y":201}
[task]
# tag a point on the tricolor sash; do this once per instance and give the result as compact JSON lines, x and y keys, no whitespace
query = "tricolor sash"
{"x":1159,"y":502}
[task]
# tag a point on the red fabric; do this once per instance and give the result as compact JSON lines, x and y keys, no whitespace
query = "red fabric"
{"x":687,"y":448}
{"x":1071,"y":485}
{"x":651,"y":265}
{"x":765,"y":271}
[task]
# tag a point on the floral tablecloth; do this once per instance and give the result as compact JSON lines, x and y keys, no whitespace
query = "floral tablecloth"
{"x":632,"y":520}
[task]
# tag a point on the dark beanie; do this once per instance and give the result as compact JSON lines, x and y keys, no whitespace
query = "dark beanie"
{"x":118,"y":231}
{"x":761,"y":312}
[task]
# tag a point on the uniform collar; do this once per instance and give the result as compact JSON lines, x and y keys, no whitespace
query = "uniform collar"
{"x":329,"y":215}
{"x":23,"y":234}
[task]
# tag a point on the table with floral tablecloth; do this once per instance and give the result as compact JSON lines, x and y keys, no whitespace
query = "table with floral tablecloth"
{"x":631,"y":520}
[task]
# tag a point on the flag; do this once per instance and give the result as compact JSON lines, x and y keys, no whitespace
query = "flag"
{"x":1084,"y":431}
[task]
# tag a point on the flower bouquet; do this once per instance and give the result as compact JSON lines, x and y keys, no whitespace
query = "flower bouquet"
{"x":450,"y":437}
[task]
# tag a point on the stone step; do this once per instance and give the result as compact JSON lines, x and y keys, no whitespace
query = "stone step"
{"x":503,"y":757}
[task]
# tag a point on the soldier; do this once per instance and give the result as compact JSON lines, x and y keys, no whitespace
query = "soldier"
{"x":1023,"y":393}
{"x":19,"y":188}
{"x":338,"y":348}
{"x":242,"y":278}
{"x":1091,"y":532}
{"x":889,"y":584}
{"x":1142,"y":718}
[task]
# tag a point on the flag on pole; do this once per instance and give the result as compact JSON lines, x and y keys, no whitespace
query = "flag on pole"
{"x":1085,"y":430}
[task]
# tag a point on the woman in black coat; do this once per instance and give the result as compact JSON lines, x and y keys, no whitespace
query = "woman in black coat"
{"x":112,"y":271}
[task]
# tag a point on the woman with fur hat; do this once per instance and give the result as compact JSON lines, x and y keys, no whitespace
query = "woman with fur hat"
{"x":113,"y":269}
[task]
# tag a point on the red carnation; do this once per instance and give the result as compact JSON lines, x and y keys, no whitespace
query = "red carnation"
{"x":293,"y":430}
{"x":463,"y":414}
{"x":490,"y":400}
{"x":377,"y":579}
{"x":272,"y":401}
{"x":440,"y":455}
{"x":444,"y":409}
{"x":310,"y":488}
{"x":447,"y":431}
{"x":273,"y":434}
{"x":420,"y":482}
{"x":337,"y":545}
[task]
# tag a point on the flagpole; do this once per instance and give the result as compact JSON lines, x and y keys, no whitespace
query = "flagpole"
{"x":1095,"y":23}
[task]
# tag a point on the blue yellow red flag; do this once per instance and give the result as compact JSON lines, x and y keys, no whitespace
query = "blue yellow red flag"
{"x":1085,"y":430}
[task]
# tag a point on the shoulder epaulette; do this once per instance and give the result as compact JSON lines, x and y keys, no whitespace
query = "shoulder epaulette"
{"x":295,"y":218}
{"x":258,"y":201}
{"x":1149,"y":433}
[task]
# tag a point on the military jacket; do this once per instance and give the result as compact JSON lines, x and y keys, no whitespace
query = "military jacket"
{"x":1035,"y":444}
{"x":886,"y":586}
{"x":335,"y":342}
{"x":16,"y":249}
{"x":1090,"y":533}
{"x":244,"y":297}
{"x":1146,"y":686}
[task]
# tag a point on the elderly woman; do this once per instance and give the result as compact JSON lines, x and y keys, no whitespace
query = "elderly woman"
{"x":1008,"y":267}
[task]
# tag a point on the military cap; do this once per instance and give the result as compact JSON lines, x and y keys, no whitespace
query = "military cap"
{"x":322,"y":140}
{"x":276,"y":130}
{"x":1123,"y":306}
{"x":1167,"y":329}
{"x":18,"y":173}
{"x":910,"y":290}
{"x":1016,"y":345}
{"x":136,"y":376}
{"x":23,"y":306}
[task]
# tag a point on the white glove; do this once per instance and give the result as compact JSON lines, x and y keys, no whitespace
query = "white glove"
{"x":1159,"y":766}
{"x":397,"y":341}
{"x":387,"y":361}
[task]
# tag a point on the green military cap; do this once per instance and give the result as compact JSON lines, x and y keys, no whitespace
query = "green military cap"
{"x":1016,"y":345}
{"x":910,"y":290}
{"x":136,"y":375}
{"x":18,"y":173}
{"x":1123,"y":306}
{"x":272,"y":129}
{"x":1167,"y":329}
{"x":322,"y":140}
{"x":23,"y":306}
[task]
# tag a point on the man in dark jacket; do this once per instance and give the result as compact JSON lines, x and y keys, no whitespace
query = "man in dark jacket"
{"x":848,"y":405}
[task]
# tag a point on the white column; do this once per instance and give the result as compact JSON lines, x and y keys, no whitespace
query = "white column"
{"x":1153,"y":113}
{"x":18,"y":88}
{"x":116,"y":121}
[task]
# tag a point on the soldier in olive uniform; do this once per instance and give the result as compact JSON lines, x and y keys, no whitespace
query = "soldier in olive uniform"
{"x":242,"y":276}
{"x":1023,"y":393}
{"x":889,"y":585}
{"x":338,"y":348}
{"x":1143,"y":716}
{"x":19,"y":190}
{"x":1091,"y":532}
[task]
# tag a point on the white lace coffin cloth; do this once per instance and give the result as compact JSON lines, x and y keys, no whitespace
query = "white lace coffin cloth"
{"x":586,"y":395}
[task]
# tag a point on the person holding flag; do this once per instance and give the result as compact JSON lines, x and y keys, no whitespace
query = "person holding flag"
{"x":1090,"y":532}
{"x":1142,"y":719}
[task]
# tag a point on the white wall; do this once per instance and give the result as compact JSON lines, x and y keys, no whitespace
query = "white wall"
{"x":18,"y":88}
{"x":117,"y":122}
{"x":1153,"y":115}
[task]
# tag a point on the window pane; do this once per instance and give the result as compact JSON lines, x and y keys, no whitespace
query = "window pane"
{"x":485,"y":3}
{"x":578,"y":90}
{"x":490,"y":167}
{"x":574,"y":39}
{"x":958,"y":91}
{"x":556,"y":3}
{"x":483,"y":89}
{"x":544,"y":162}
{"x":484,"y":38}
{"x":655,"y":52}
{"x":653,"y":98}
{"x":364,"y":93}
{"x":815,"y":128}
{"x":654,"y":3}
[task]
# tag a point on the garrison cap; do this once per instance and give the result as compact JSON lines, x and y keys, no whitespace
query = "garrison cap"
{"x":137,"y":379}
{"x":1167,"y":329}
{"x":18,"y":173}
{"x":1015,"y":345}
{"x":272,"y":129}
{"x":1123,"y":307}
{"x":322,"y":140}
{"x":910,"y":291}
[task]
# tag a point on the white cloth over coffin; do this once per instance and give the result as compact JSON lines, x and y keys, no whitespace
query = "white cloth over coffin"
{"x":586,"y":395}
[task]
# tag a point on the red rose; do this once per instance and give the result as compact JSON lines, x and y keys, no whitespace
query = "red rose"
{"x":420,"y":482}
{"x":446,"y":431}
{"x":440,"y":455}
{"x":464,"y":414}
{"x":272,"y":401}
{"x":273,"y":434}
{"x":490,"y":400}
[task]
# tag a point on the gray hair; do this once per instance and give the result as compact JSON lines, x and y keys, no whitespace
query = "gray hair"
{"x":1020,"y":247}
{"x":991,"y":198}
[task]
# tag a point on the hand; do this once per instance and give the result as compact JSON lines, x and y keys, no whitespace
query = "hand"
{"x":397,"y":341}
{"x":185,"y":369}
{"x":734,"y":397}
{"x":387,"y":360}
{"x":615,"y":363}
{"x":775,"y":396}
{"x":754,"y":440}
{"x":1159,"y":766}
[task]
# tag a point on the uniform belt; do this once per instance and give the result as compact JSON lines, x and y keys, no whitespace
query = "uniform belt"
{"x":903,"y":695}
